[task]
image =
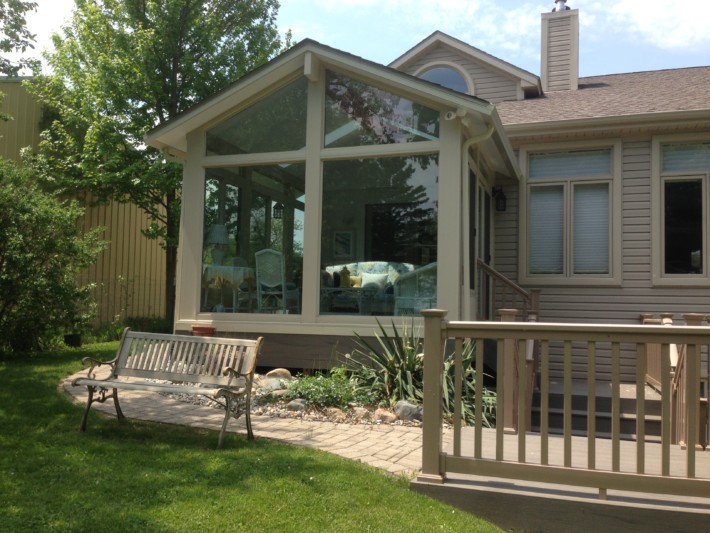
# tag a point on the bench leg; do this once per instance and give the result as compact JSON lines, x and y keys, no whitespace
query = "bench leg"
{"x":247,"y":417}
{"x":89,"y":401}
{"x":119,"y":412}
{"x":227,"y":413}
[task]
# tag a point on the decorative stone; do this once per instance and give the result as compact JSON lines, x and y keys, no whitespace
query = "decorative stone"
{"x":279,"y":373}
{"x":361,"y":413}
{"x":408,"y":411}
{"x":298,"y":404}
{"x":385,"y":416}
{"x":335,"y":414}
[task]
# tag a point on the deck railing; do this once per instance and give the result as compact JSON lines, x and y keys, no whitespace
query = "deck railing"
{"x":588,"y":461}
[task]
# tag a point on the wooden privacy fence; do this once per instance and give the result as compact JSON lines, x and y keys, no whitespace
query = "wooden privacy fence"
{"x":584,"y":461}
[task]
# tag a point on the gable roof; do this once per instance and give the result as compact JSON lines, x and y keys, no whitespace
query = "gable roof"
{"x":644,"y":96}
{"x":529,"y":82}
{"x":303,"y":59}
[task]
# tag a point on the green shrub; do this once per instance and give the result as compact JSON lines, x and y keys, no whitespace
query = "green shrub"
{"x":42,"y":249}
{"x":321,"y":390}
{"x":153,"y":324}
{"x":393,"y":369}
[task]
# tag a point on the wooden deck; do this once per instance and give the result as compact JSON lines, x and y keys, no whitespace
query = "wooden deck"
{"x":518,"y":505}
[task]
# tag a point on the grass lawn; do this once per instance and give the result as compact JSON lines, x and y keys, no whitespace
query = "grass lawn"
{"x":142,"y":476}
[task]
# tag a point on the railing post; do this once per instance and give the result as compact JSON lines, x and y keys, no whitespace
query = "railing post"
{"x":432,"y":417}
{"x":508,"y":381}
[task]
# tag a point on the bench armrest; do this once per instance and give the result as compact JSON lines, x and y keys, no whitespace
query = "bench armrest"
{"x":233,"y":373}
{"x":94,"y":363}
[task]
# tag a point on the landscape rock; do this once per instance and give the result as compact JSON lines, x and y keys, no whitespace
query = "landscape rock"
{"x":361,"y":413}
{"x":297,"y":405}
{"x":385,"y":416}
{"x":279,"y":373}
{"x":335,"y":414}
{"x":408,"y":411}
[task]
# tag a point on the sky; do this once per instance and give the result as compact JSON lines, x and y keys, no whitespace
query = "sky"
{"x":615,"y":36}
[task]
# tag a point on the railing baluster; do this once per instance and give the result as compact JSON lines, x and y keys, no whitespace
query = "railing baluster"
{"x":591,"y":405}
{"x":665,"y":409}
{"x":478,"y":429}
{"x":692,"y":398}
{"x":640,"y":408}
{"x":500,"y":399}
{"x":615,"y":407}
{"x":522,"y":404}
{"x":568,"y":404}
{"x":458,"y":381}
{"x":544,"y":401}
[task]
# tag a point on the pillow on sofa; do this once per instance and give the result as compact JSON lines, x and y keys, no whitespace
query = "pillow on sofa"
{"x":356,"y":281}
{"x":377,"y":280}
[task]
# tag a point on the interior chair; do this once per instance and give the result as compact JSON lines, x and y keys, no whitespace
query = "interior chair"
{"x":273,"y":293}
{"x":415,"y":290}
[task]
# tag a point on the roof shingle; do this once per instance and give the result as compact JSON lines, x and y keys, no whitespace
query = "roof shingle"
{"x":637,"y":93}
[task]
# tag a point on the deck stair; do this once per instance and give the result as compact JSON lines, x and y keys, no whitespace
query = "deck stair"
{"x":603,"y":409}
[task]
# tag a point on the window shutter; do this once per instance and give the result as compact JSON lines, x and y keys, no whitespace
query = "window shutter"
{"x":591,"y":229}
{"x":546,"y":230}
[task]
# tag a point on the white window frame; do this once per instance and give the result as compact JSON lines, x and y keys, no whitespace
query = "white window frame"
{"x":658,"y":180}
{"x":568,"y":277}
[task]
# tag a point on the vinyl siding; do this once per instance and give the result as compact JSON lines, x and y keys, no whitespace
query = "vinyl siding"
{"x":577,"y":304}
{"x":489,"y":84}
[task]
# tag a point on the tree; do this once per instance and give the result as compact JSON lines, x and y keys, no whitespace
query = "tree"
{"x":122,"y":67}
{"x":14,"y":38}
{"x":42,"y":250}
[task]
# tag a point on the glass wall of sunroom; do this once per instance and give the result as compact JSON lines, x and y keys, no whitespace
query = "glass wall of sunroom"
{"x":377,"y":238}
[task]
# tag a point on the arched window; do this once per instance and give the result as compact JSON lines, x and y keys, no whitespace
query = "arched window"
{"x":446,"y":76}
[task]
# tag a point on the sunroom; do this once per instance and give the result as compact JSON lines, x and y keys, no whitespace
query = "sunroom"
{"x":322,"y":192}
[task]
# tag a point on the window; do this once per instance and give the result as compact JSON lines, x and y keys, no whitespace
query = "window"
{"x":680,"y":193}
{"x":569,"y":223}
{"x":248,"y":210}
{"x":379,"y":235}
{"x":447,"y":77}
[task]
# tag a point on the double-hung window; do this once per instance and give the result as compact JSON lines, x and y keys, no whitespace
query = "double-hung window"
{"x":569,"y":222}
{"x":681,"y":199}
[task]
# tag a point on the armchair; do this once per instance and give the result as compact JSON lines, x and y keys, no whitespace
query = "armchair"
{"x":415,"y":290}
{"x":273,"y":293}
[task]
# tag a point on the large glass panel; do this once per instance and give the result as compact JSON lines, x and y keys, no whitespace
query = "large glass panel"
{"x":447,"y":77}
{"x":546,"y":230}
{"x":358,"y":114}
{"x":379,"y":236}
{"x":683,"y":232}
{"x":275,"y":123}
{"x":252,"y":257}
{"x":591,"y":229}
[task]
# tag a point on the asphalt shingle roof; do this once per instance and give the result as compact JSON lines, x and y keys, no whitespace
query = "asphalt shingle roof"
{"x":658,"y":91}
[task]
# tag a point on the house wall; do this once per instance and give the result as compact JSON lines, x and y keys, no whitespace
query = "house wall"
{"x":489,"y":84}
{"x":598,"y":304}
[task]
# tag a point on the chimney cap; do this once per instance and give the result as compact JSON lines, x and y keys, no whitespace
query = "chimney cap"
{"x":560,"y":5}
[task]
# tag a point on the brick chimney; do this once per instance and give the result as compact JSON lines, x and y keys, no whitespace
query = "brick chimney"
{"x":560,"y":48}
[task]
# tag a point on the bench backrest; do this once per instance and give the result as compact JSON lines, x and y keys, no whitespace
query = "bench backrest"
{"x":184,"y":358}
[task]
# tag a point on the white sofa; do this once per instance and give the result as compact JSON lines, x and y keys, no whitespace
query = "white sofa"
{"x":369,"y":289}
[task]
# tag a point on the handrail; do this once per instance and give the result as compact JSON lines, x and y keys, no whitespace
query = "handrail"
{"x":507,"y":297}
{"x":639,"y":465}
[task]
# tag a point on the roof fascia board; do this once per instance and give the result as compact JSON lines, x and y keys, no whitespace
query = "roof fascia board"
{"x":601,"y":123}
{"x":527,"y":79}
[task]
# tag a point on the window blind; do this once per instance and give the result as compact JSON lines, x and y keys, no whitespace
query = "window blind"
{"x":588,"y":163}
{"x":546,"y":229}
{"x":681,"y":157}
{"x":591,"y":229}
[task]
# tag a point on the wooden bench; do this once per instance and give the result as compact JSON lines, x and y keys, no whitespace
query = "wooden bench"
{"x":219,"y":368}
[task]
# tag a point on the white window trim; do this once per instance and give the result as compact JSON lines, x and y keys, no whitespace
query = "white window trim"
{"x":659,"y":278}
{"x":613,"y":278}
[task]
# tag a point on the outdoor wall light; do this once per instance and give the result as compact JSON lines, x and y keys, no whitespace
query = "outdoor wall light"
{"x":278,"y":211}
{"x":501,"y":200}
